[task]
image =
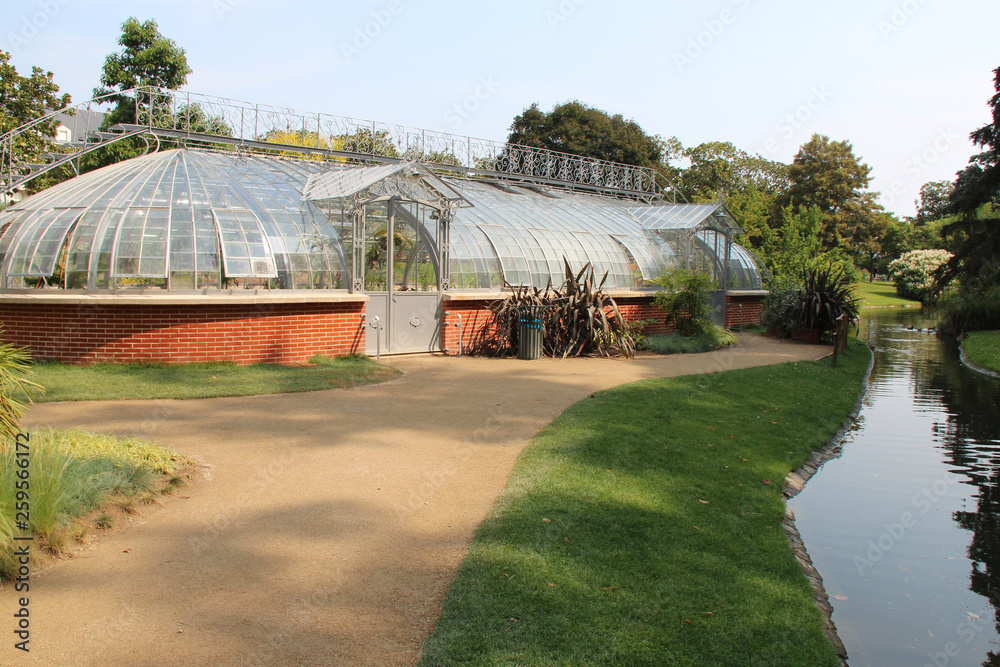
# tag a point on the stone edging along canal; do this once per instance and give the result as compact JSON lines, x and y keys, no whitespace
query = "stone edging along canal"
{"x":794,"y":483}
{"x":978,"y":369}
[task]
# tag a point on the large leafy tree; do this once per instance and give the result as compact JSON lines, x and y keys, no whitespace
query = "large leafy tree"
{"x":976,"y":201}
{"x":23,"y":99}
{"x":147,"y":58}
{"x":720,"y":169}
{"x":826,"y":174}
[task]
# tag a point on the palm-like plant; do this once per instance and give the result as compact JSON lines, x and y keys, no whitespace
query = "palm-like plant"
{"x":824,"y":297}
{"x":14,"y":365}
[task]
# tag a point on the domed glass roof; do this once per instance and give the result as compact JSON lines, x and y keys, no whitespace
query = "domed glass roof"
{"x":196,"y":219}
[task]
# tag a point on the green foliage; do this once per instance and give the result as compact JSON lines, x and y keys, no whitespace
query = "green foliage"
{"x":580,"y":319}
{"x":23,"y":99}
{"x":720,"y":169}
{"x":74,"y":474}
{"x":914,"y":273}
{"x":826,"y":174}
{"x":686,"y":299}
{"x":825,"y":296}
{"x":646,"y":506}
{"x":147,"y":58}
{"x":934,"y":200}
{"x":712,"y":339}
{"x":15,"y":388}
{"x":778,"y":314}
{"x":976,"y":201}
{"x":971,"y":310}
{"x":574,"y":127}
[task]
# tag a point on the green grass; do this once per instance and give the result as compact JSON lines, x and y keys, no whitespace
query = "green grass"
{"x":881,"y":295}
{"x":982,"y":348}
{"x":677,"y":344}
{"x":76,"y":480}
{"x":643,"y":526}
{"x":142,"y":380}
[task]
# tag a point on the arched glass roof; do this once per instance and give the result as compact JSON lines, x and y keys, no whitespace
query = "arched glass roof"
{"x":195,"y":219}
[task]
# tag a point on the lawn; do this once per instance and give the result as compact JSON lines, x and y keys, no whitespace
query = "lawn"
{"x":982,"y":348}
{"x":75,"y":482}
{"x":643,"y":526}
{"x":141,"y":380}
{"x":881,"y":295}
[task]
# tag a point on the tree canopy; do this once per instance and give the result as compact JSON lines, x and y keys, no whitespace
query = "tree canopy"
{"x":147,"y":58}
{"x":23,"y":99}
{"x":826,"y":174}
{"x":976,"y":201}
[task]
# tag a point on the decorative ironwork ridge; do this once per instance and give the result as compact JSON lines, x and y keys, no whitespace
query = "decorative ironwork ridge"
{"x":203,"y":115}
{"x":207,"y":114}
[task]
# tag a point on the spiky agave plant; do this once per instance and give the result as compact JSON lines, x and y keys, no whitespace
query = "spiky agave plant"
{"x":579,"y":319}
{"x":14,"y":365}
{"x":825,"y":296}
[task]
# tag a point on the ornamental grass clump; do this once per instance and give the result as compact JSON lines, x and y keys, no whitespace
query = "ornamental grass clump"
{"x":914,"y":273}
{"x":579,"y":319}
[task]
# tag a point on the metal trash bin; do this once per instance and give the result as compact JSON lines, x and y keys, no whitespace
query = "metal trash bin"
{"x":529,"y":332}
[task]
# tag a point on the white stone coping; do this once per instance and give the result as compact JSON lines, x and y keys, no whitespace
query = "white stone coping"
{"x":164,"y":298}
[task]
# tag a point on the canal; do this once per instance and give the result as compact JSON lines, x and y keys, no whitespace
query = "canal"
{"x":904,"y":526}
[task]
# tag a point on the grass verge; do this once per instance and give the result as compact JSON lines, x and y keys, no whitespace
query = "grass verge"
{"x":77,"y":481}
{"x":643,"y":526}
{"x":982,"y":348}
{"x":99,"y":382}
{"x":880,"y":295}
{"x":677,"y":344}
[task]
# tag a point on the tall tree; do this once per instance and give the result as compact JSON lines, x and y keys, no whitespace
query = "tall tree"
{"x":826,"y":174}
{"x":147,"y":58}
{"x":976,"y":202}
{"x":718,"y":168}
{"x":934,"y":200}
{"x":23,"y":99}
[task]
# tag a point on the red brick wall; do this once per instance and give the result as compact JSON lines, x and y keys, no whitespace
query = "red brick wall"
{"x":743,"y":310}
{"x":245,"y":334}
{"x":475,"y":315}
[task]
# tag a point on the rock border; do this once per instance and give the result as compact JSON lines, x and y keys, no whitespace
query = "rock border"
{"x":794,"y":483}
{"x":978,"y":369}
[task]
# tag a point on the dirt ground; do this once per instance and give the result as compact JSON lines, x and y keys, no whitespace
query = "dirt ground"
{"x":329,"y":524}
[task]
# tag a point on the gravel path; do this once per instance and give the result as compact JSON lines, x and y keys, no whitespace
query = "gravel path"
{"x":329,"y":524}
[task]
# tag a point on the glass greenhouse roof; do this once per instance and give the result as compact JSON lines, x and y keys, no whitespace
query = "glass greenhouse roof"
{"x":195,"y":219}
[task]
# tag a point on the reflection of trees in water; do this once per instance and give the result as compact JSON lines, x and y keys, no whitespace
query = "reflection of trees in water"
{"x":969,"y":438}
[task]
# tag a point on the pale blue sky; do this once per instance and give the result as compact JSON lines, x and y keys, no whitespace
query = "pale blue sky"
{"x":903,"y":81}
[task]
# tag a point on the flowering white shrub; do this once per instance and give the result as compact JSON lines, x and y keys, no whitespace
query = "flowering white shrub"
{"x":914,"y":272}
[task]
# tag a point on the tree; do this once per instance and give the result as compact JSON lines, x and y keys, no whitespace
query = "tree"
{"x":934,"y":200}
{"x":826,"y":174}
{"x":23,"y":99}
{"x":718,"y":168}
{"x":147,"y":58}
{"x":976,"y":201}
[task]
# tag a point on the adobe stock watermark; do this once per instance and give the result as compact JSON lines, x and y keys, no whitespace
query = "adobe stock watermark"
{"x":462,"y":111}
{"x":919,"y":163}
{"x":223,"y":7}
{"x":33,"y":23}
{"x":893,"y":533}
{"x":563,"y":12}
{"x":369,"y":32}
{"x":899,"y":17}
{"x":699,"y":43}
{"x":966,"y":631}
{"x":795,"y":120}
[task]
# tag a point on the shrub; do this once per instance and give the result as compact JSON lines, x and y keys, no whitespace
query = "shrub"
{"x":913,"y":272}
{"x":581,"y":319}
{"x":971,"y":310}
{"x":686,"y":300}
{"x":779,"y":307}
{"x":824,"y":297}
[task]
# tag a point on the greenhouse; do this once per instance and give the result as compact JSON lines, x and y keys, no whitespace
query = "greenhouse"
{"x":288,"y":253}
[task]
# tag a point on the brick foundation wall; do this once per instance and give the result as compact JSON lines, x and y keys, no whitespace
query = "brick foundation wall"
{"x":743,"y":310}
{"x":244,"y":333}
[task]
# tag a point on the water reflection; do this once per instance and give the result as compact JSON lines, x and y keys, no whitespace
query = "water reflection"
{"x":905,"y":526}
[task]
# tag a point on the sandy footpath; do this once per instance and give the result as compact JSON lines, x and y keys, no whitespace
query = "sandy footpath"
{"x":330,"y":523}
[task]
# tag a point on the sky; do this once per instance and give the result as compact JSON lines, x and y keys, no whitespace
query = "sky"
{"x":904,"y":81}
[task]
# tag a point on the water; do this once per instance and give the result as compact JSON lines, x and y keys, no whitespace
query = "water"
{"x":905,"y":525}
